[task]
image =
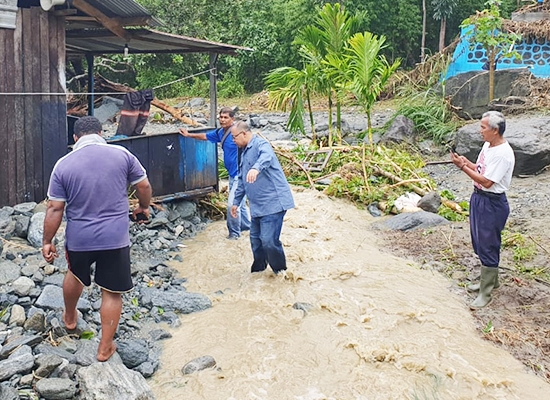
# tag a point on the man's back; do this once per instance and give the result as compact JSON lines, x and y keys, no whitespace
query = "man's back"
{"x":93,"y":182}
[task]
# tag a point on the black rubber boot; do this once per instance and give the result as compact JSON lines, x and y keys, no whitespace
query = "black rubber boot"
{"x":486,"y":285}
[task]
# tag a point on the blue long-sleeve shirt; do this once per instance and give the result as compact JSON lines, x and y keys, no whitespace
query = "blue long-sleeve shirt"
{"x":270,"y":193}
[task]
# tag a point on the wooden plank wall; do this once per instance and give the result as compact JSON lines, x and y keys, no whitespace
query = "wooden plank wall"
{"x":33,"y":128}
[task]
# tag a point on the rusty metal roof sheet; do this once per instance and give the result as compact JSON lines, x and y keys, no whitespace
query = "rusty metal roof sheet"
{"x":102,"y":41}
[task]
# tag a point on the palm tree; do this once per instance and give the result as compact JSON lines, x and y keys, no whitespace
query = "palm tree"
{"x":329,"y":36}
{"x":443,"y":9}
{"x":369,"y":71}
{"x":286,"y":86}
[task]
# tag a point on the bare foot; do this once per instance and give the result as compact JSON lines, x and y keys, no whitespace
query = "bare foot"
{"x":70,"y":323}
{"x":105,"y":352}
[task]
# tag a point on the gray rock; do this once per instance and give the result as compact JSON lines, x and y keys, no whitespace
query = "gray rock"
{"x":22,"y":223}
{"x":302,"y":306}
{"x":87,"y":353}
{"x":17,"y":315}
{"x":158,"y":222}
{"x":196,"y":102}
{"x":30,"y":269}
{"x":8,"y":393}
{"x":183,"y":302}
{"x":54,"y":279}
{"x":109,"y":380}
{"x":46,"y":348}
{"x":133,"y":352}
{"x":400,"y":130}
{"x":159,"y":334}
{"x":186,"y":209}
{"x":20,"y":361}
{"x":147,"y":369}
{"x":35,"y":323}
{"x":56,"y":388}
{"x":430,"y":202}
{"x":22,"y":286}
{"x":19,"y":341}
{"x":46,"y":364}
{"x":9,"y":272}
{"x":470,"y":91}
{"x":198,"y":364}
{"x":52,"y":298}
{"x":24,"y":208}
{"x":36,"y":229}
{"x":412,"y":221}
{"x":7,"y":228}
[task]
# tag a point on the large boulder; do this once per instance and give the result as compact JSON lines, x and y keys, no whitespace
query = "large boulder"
{"x":528,"y":136}
{"x":109,"y":380}
{"x":469,"y":92}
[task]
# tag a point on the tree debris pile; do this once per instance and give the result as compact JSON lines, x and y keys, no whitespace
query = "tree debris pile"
{"x":365,"y":175}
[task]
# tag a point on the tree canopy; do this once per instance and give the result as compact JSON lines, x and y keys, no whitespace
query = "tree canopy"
{"x":270,"y":28}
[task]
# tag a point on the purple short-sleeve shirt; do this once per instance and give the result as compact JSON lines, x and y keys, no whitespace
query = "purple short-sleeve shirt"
{"x":93,"y":182}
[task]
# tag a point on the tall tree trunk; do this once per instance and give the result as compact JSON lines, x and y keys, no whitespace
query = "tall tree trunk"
{"x":442,"y":34}
{"x":491,"y":59}
{"x":369,"y":129}
{"x":423,"y":45}
{"x":311,"y":120}
{"x":330,"y":120}
{"x":339,"y":121}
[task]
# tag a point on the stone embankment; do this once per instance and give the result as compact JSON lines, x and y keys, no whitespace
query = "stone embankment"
{"x":39,"y":358}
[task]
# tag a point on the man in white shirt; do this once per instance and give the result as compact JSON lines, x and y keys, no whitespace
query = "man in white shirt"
{"x":489,"y":209}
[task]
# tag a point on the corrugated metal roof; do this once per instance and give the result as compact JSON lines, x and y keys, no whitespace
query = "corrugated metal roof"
{"x":122,"y":9}
{"x":102,"y":41}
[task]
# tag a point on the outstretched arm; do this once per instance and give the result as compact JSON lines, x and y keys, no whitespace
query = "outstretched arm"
{"x":199,"y":136}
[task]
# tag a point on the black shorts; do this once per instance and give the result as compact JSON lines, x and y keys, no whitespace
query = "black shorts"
{"x":112,"y":268}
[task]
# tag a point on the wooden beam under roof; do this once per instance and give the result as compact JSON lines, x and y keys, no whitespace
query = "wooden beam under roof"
{"x":134,"y":21}
{"x":110,"y":23}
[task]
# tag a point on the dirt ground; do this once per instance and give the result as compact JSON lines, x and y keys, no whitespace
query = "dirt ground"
{"x":518,"y":317}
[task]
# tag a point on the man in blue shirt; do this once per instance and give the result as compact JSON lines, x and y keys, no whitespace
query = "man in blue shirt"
{"x":240,"y":222}
{"x":263,"y":181}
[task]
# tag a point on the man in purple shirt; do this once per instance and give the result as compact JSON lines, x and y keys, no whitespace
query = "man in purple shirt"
{"x":91,"y":185}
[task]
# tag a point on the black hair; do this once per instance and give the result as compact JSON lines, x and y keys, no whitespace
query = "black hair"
{"x":87,"y":126}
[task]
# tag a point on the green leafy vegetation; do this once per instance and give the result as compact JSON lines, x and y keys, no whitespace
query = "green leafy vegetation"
{"x":357,"y":173}
{"x":86,"y":335}
{"x":431,"y":115}
{"x":269,"y":28}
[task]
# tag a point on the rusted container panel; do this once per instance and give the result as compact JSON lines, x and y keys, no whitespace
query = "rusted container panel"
{"x":177,"y":167}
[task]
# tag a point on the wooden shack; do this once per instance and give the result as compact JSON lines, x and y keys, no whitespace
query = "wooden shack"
{"x":35,"y":38}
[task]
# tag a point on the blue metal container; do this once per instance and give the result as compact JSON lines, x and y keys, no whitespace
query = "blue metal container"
{"x":177,"y":167}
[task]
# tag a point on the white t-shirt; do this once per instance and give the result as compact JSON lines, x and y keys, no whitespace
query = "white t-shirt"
{"x":496,"y":164}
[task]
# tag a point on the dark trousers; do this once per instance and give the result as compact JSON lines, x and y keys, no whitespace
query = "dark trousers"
{"x":266,"y":246}
{"x":488,"y":215}
{"x":135,"y":112}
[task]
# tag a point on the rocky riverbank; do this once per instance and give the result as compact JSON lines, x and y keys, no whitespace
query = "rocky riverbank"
{"x":39,"y":357}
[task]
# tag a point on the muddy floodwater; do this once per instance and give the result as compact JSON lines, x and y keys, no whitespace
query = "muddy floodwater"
{"x":379,"y":327}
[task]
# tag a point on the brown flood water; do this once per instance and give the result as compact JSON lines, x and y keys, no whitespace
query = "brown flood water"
{"x":380,"y":328}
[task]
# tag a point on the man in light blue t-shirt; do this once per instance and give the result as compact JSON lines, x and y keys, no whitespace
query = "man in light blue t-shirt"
{"x":90,"y":184}
{"x":241,"y":222}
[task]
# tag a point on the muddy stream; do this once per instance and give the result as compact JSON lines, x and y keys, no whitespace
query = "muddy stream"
{"x":379,"y":327}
